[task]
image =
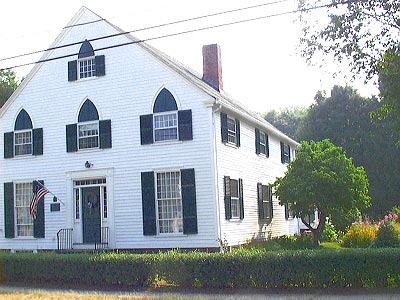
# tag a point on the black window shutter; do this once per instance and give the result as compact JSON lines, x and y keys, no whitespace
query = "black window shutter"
{"x":105,"y":134}
{"x":282,"y":152}
{"x":72,"y":143}
{"x":100,"y":65}
{"x":9,"y":144}
{"x":185,"y":125}
{"x":72,"y":70}
{"x":237,"y":133}
{"x":224,"y":127}
{"x":260,"y":201}
{"x":271,"y":205}
{"x":257,"y":141}
{"x":146,"y":129}
{"x":241,"y":202}
{"x":266,"y":144}
{"x":38,"y":223}
{"x":148,"y":204}
{"x":189,"y":201}
{"x":37,"y":141}
{"x":288,"y":147}
{"x":9,"y":210}
{"x":227,"y":197}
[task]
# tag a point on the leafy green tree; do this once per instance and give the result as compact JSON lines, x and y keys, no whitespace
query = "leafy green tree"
{"x":287,"y":120}
{"x":344,"y":118}
{"x":358,"y":31}
{"x":322,"y":178}
{"x":389,"y":87}
{"x":8,"y":84}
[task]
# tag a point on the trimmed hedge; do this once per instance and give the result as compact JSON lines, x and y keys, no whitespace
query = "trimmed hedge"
{"x":378,"y":268}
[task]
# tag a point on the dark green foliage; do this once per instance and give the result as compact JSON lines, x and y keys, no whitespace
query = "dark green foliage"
{"x":239,"y":269}
{"x":8,"y":84}
{"x":388,"y":235}
{"x":81,"y":270}
{"x":344,"y":118}
{"x":287,"y":120}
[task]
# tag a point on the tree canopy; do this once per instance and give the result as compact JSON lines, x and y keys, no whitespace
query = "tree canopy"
{"x":8,"y":84}
{"x":322,"y":178}
{"x":358,"y":31}
{"x":344,"y":118}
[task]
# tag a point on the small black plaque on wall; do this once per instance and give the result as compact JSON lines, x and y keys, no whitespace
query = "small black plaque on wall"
{"x":55,"y":207}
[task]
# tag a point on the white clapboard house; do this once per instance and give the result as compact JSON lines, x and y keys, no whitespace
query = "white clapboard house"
{"x":140,"y":152}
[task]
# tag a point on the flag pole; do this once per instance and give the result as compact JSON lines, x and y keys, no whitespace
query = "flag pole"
{"x":49,"y":191}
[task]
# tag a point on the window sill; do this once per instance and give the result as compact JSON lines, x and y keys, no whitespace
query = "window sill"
{"x":232,"y":145}
{"x":170,"y":235}
{"x":25,"y":156}
{"x":86,"y":79}
{"x":170,"y":142}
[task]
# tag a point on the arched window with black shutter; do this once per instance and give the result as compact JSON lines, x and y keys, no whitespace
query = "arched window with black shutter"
{"x":24,"y":140}
{"x":87,"y":65}
{"x":166,"y":123}
{"x":90,"y":132}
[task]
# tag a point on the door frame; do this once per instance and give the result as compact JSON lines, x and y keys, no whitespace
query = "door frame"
{"x":72,"y":176}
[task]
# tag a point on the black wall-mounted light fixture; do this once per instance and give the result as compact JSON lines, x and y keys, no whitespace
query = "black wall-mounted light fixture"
{"x":88,"y":165}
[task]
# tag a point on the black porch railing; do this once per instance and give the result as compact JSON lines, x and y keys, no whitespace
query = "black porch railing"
{"x":103,"y":243}
{"x":64,"y":239}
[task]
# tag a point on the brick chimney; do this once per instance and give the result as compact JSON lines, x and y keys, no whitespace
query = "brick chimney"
{"x":212,"y":66}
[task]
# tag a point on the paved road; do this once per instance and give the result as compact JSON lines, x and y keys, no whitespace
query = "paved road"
{"x":218,"y":294}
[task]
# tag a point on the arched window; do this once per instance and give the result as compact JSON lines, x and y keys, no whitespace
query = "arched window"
{"x":88,"y":126}
{"x":23,"y":134}
{"x":90,"y":132}
{"x":87,"y":65}
{"x":165,"y":114}
{"x":166,"y":123}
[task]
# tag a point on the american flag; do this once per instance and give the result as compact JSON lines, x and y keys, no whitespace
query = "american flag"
{"x":38,"y":192}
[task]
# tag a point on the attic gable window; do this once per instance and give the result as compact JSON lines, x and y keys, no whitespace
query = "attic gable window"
{"x":87,"y":65}
{"x":167,"y":123}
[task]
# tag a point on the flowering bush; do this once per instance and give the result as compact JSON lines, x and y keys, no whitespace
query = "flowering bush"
{"x":389,"y":232}
{"x":360,"y":235}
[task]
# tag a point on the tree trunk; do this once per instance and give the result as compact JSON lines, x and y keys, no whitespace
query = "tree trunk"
{"x":316,"y":232}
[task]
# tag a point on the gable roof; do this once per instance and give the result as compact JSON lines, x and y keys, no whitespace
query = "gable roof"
{"x":222,"y":100}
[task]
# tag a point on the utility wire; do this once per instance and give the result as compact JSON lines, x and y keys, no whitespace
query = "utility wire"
{"x":142,"y":29}
{"x":184,"y":32}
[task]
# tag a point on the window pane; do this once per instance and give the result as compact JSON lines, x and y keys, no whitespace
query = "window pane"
{"x":169,"y":202}
{"x":88,"y":135}
{"x":234,"y":188}
{"x":235,"y":207}
{"x":24,"y":221}
{"x":87,"y":68}
{"x":166,"y":127}
{"x":23,"y":142}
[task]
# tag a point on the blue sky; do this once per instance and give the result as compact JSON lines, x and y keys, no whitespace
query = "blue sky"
{"x":261,"y":64}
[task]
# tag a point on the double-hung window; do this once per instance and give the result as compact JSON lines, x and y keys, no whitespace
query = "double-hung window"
{"x":23,"y":142}
{"x":233,"y":198}
{"x":235,"y":204}
{"x":169,"y":202}
{"x":166,"y":126}
{"x":231,"y":131}
{"x":265,"y":205}
{"x":88,"y":135}
{"x":24,"y":221}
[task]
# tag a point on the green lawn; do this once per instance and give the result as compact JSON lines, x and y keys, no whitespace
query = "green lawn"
{"x":331,"y":245}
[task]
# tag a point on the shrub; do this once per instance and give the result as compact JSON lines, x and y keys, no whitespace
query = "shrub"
{"x":389,"y":232}
{"x":360,"y":235}
{"x":329,"y":234}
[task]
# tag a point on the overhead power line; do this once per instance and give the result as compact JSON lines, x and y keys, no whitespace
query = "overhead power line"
{"x":142,"y":29}
{"x":179,"y":33}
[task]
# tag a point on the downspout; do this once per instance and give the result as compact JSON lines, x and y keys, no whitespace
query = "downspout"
{"x":215,"y":151}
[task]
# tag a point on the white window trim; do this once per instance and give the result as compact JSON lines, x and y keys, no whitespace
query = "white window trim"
{"x":169,"y":127}
{"x":263,"y":144}
{"x":169,"y":234}
{"x":15,"y":144}
{"x":90,"y":58}
{"x":98,"y":135}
